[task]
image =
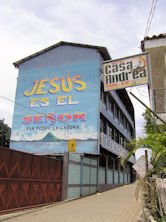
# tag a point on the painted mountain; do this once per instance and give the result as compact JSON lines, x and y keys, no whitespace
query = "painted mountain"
{"x":50,"y":138}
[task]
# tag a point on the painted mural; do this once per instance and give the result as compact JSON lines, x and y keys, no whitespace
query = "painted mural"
{"x":55,"y":104}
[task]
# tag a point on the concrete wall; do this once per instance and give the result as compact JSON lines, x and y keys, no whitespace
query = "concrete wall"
{"x":101,"y":175}
{"x":110,"y":176}
{"x":157,"y":49}
{"x":83,"y":176}
{"x":74,"y":176}
{"x":116,"y":177}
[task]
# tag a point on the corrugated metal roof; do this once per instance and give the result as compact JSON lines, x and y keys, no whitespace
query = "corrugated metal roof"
{"x":102,"y":50}
{"x":160,"y":36}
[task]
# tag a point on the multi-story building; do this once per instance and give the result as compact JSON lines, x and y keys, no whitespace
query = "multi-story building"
{"x":156,"y":47}
{"x":117,"y":128}
{"x":60,"y":98}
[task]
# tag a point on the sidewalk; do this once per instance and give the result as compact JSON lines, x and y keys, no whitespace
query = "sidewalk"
{"x":117,"y":205}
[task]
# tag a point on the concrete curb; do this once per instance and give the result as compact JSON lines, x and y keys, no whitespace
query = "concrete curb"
{"x":18,"y":213}
{"x":110,"y":205}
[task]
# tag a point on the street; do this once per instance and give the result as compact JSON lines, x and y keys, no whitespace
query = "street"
{"x":116,"y":205}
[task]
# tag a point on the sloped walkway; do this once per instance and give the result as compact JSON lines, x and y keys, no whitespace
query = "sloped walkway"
{"x":117,"y":205}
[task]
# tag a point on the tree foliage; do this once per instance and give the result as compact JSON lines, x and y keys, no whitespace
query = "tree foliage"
{"x":4,"y":134}
{"x":155,"y":140}
{"x":150,"y":124}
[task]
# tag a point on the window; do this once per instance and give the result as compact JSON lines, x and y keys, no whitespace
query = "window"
{"x":125,"y":143}
{"x":125,"y":123}
{"x":116,"y":164}
{"x":111,"y":104}
{"x":105,"y":98}
{"x":117,"y":112}
{"x":102,"y":92}
{"x":103,"y":125}
{"x":113,"y":134}
{"x":121,"y":168}
{"x":103,"y":95}
{"x":128,"y":168}
{"x":121,"y":117}
{"x":131,"y":131}
{"x":110,"y":130}
{"x":110,"y":162}
{"x":116,"y":136}
{"x":102,"y":161}
{"x":128,"y":128}
{"x":121,"y":140}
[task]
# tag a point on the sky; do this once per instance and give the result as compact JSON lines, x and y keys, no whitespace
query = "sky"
{"x":29,"y":26}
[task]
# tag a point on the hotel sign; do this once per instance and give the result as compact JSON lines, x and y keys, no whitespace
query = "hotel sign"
{"x":112,"y":146}
{"x":125,"y":72}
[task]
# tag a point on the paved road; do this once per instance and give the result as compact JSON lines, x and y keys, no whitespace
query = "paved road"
{"x":117,"y":205}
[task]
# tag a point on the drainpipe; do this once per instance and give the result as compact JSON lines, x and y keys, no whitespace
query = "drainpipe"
{"x":113,"y":171}
{"x":97,"y":179}
{"x":81,"y":174}
{"x":119,"y":172}
{"x":106,"y":170}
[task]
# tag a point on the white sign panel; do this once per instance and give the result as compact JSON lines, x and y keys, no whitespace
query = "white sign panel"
{"x":114,"y":147}
{"x":140,"y":166}
{"x":125,"y":72}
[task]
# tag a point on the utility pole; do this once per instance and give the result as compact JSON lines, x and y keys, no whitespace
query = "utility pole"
{"x":146,"y":160}
{"x":146,"y":165}
{"x":151,"y":85}
{"x":158,"y":117}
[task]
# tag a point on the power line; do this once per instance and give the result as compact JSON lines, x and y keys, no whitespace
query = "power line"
{"x":148,"y":108}
{"x":141,"y":93}
{"x":147,"y":25}
{"x":4,"y":97}
{"x":151,"y":15}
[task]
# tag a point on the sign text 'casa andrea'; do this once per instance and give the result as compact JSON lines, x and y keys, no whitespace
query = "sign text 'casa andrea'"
{"x":125,"y":72}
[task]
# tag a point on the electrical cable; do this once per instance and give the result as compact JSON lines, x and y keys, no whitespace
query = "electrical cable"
{"x":147,"y":24}
{"x":145,"y":96}
{"x":19,"y":104}
{"x":151,"y":15}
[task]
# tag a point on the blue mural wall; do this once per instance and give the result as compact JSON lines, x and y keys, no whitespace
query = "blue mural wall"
{"x":57,"y":99}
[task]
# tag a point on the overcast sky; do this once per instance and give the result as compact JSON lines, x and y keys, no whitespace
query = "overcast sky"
{"x":29,"y":26}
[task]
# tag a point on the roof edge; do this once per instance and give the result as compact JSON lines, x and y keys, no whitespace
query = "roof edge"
{"x":146,"y":38}
{"x":103,"y":51}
